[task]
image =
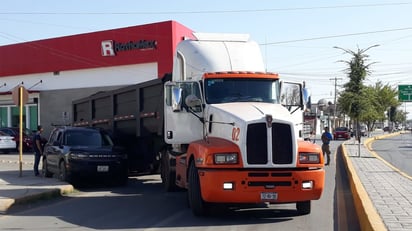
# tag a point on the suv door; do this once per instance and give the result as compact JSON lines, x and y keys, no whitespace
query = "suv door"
{"x":52,"y":150}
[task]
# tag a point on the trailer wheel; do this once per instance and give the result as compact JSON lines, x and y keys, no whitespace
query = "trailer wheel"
{"x":199,"y":207}
{"x":303,"y":207}
{"x":168,"y":176}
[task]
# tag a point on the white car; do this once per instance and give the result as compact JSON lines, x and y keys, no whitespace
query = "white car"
{"x":7,"y":142}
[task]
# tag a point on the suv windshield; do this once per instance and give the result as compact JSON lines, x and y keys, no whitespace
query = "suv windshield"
{"x":86,"y":138}
{"x":241,"y":90}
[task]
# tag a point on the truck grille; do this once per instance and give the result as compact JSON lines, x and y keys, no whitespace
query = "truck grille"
{"x":281,"y":144}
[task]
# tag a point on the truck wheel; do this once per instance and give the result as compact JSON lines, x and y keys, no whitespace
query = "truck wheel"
{"x":303,"y":207}
{"x":199,"y":207}
{"x":46,"y":172}
{"x":168,"y":176}
{"x":155,"y":166}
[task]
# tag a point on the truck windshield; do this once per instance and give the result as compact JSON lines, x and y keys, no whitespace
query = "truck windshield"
{"x":241,"y":90}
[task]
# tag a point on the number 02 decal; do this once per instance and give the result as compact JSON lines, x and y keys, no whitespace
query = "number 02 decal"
{"x":235,"y":134}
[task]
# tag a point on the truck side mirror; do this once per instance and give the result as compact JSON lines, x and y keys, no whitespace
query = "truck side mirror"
{"x":176,"y":99}
{"x":307,"y":97}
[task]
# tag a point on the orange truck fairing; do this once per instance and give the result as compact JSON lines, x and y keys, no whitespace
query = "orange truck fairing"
{"x":249,"y":185}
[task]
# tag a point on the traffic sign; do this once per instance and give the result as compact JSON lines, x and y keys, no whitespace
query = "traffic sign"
{"x":405,"y":93}
{"x":16,"y":95}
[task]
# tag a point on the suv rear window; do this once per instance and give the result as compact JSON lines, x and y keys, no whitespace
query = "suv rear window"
{"x":342,"y":129}
{"x":86,"y":138}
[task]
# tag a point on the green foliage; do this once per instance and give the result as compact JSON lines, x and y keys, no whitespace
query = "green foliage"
{"x":400,"y":116}
{"x":380,"y":97}
{"x":365,"y":103}
{"x":353,"y":100}
{"x":395,"y":115}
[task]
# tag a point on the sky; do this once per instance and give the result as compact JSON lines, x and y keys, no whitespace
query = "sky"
{"x":299,"y":39}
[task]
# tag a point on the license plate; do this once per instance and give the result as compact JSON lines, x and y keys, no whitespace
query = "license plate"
{"x":102,"y":168}
{"x":268,"y":196}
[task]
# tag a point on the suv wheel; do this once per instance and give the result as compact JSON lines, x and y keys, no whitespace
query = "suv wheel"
{"x":63,"y":172}
{"x":45,"y":170}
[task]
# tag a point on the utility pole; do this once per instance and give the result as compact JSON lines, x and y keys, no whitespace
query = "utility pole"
{"x":334,"y":101}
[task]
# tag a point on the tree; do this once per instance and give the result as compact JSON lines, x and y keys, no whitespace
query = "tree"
{"x":395,"y":115}
{"x":386,"y":96}
{"x":380,"y":97}
{"x":353,"y":99}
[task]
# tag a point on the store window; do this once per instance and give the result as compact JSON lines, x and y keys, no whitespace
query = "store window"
{"x":10,"y":116}
{"x":4,"y":119}
{"x":33,"y":117}
{"x":15,"y":114}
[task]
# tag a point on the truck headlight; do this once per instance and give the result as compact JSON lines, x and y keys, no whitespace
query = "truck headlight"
{"x":309,"y":158}
{"x":226,"y":158}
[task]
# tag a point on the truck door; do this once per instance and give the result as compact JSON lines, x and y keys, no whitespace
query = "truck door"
{"x":293,"y":96}
{"x":183,"y":112}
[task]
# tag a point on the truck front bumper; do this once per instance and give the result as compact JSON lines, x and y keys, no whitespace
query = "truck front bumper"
{"x":256,"y":186}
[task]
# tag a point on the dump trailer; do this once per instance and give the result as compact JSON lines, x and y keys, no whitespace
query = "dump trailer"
{"x":134,"y":116}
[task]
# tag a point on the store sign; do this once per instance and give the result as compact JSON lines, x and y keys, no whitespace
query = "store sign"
{"x":111,"y":47}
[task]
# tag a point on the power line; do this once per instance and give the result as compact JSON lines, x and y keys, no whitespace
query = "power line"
{"x":211,"y":11}
{"x":337,"y":36}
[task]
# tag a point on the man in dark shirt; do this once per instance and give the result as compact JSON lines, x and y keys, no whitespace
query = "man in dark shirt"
{"x":326,"y":138}
{"x":38,"y":150}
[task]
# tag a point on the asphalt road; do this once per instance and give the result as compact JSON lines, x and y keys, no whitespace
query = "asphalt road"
{"x":397,"y":151}
{"x":143,"y":205}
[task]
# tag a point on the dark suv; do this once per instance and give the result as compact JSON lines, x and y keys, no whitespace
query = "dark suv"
{"x":83,"y":152}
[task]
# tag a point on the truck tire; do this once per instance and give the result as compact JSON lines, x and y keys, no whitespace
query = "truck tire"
{"x":199,"y":207}
{"x":155,"y":165}
{"x":303,"y":207}
{"x":168,"y":176}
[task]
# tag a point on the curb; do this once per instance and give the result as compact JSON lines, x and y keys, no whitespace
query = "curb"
{"x":51,"y":193}
{"x":6,"y":204}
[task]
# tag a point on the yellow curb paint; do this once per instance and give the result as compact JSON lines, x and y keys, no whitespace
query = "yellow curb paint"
{"x":369,"y":218}
{"x":66,"y":189}
{"x":5,"y":204}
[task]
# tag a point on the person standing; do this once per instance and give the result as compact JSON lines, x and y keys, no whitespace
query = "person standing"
{"x":38,"y":149}
{"x":326,"y":138}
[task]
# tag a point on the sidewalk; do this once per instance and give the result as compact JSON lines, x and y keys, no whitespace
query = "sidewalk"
{"x":382,"y":195}
{"x":15,"y":189}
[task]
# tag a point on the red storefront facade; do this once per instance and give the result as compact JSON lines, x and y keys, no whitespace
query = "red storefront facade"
{"x":59,"y":70}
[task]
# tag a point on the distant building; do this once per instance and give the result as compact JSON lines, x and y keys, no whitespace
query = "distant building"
{"x":318,"y":119}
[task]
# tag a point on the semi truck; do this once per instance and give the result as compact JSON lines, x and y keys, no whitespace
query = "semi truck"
{"x":219,"y":126}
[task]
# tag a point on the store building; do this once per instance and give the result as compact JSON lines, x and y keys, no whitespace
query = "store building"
{"x":59,"y":70}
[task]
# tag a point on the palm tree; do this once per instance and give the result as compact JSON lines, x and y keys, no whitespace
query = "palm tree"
{"x":353,"y":99}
